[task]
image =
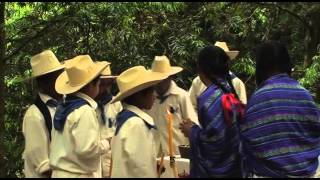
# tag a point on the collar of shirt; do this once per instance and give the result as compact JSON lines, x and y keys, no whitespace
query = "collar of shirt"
{"x":92,"y":102}
{"x":143,"y":115}
{"x":45,"y":98}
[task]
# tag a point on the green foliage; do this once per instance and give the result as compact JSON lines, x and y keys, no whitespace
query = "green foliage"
{"x":129,"y":34}
{"x":311,"y":78}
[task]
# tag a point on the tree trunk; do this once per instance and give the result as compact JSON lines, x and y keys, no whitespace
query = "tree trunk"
{"x":312,"y":38}
{"x":2,"y":89}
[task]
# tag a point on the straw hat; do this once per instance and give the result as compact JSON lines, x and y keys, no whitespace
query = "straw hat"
{"x":44,"y":63}
{"x":223,"y":45}
{"x":162,"y":64}
{"x":136,"y":79}
{"x":79,"y":71}
{"x":106,"y":73}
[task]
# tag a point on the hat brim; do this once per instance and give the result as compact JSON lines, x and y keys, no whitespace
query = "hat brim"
{"x":108,"y":77}
{"x":232,"y":54}
{"x":44,"y":73}
{"x":174,"y":70}
{"x":63,"y":86}
{"x":149,"y":80}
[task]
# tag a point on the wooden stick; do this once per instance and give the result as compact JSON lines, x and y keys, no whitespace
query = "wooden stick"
{"x":170,"y":143}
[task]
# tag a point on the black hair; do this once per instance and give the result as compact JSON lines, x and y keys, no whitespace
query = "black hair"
{"x":271,"y":56}
{"x":47,"y":81}
{"x":213,"y":62}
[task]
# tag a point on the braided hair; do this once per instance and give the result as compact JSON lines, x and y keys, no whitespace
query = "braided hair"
{"x":213,"y":62}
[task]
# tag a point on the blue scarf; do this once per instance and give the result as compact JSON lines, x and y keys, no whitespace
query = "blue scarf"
{"x":125,"y":115}
{"x":64,"y":109}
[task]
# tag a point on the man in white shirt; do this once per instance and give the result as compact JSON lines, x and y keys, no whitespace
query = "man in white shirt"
{"x":197,"y":86}
{"x":107,"y":113}
{"x":170,"y":97}
{"x":133,"y":146}
{"x":76,"y":146}
{"x":37,"y":121}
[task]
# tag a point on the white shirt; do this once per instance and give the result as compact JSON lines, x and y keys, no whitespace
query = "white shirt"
{"x":179,"y":99}
{"x":197,"y":87}
{"x":78,"y":148}
{"x":133,"y":148}
{"x":37,"y":142}
{"x":107,"y":130}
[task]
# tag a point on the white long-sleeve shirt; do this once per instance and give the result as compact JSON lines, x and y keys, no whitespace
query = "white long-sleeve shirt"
{"x":133,"y":148}
{"x":77,"y":149}
{"x":37,"y":142}
{"x":197,"y":87}
{"x":107,"y":131}
{"x":179,"y":100}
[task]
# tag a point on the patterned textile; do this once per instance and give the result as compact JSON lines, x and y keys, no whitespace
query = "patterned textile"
{"x":281,"y":130}
{"x":214,"y":148}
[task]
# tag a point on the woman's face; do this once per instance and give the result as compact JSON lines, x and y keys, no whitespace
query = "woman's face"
{"x":204,"y":78}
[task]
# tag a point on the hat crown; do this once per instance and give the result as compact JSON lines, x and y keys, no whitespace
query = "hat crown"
{"x":44,"y":62}
{"x":78,"y":69}
{"x":161,"y":64}
{"x":106,"y":71}
{"x":222,"y":45}
{"x":127,"y":78}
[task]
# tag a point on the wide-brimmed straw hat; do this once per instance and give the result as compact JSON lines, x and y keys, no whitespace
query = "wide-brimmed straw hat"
{"x":106,"y":73}
{"x":44,"y":63}
{"x":136,"y":79}
{"x":223,"y":45}
{"x":79,"y":71}
{"x":162,"y":64}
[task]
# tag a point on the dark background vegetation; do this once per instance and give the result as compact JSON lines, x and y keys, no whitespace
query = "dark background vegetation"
{"x":129,"y":34}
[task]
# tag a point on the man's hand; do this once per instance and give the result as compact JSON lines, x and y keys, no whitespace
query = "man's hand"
{"x":163,"y":169}
{"x":185,"y":127}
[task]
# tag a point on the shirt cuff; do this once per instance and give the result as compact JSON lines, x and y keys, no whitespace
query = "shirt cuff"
{"x":43,"y":167}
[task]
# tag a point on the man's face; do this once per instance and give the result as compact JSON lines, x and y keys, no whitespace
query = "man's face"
{"x":105,"y":85}
{"x":95,"y":88}
{"x":163,"y":86}
{"x":148,"y":98}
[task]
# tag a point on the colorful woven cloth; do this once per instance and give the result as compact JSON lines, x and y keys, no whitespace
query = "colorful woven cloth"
{"x":214,"y":147}
{"x":281,"y":130}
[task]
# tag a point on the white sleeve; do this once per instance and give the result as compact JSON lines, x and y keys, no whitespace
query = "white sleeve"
{"x":240,"y":90}
{"x":36,"y":140}
{"x":193,"y":94}
{"x":187,"y":109}
{"x":86,"y":137}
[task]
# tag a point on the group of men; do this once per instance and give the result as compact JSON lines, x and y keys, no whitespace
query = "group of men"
{"x":74,"y":128}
